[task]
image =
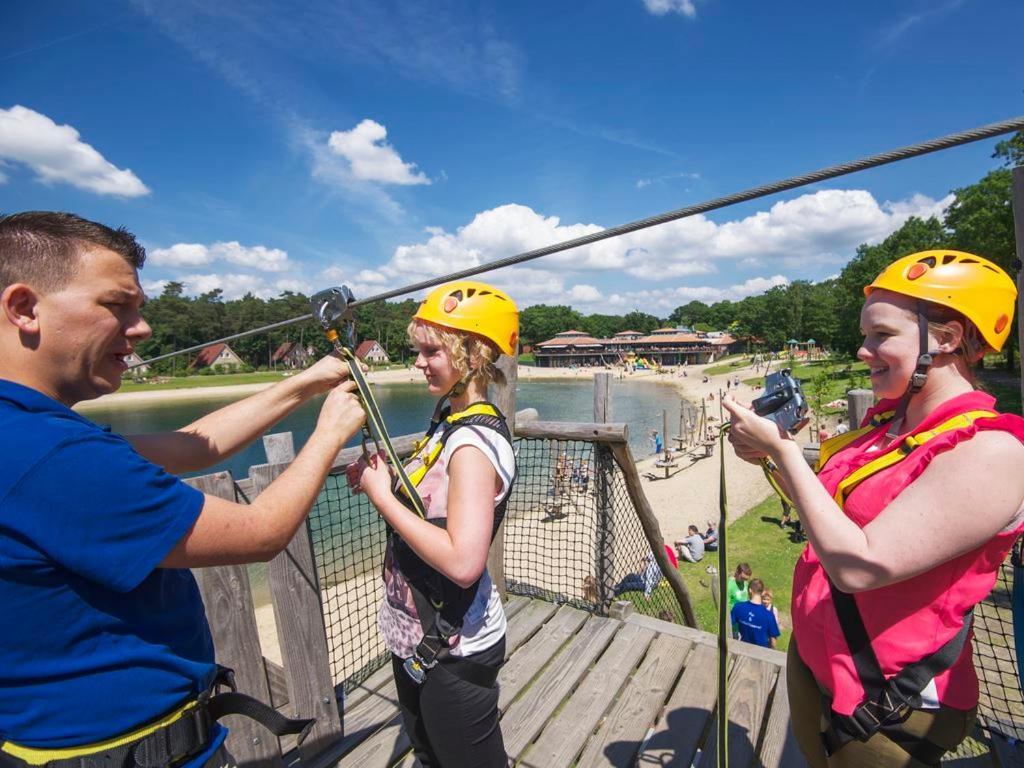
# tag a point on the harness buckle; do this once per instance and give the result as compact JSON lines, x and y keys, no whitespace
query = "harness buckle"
{"x":417,"y":667}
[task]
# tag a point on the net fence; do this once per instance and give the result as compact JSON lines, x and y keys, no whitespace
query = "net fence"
{"x":1001,"y":707}
{"x":571,"y":536}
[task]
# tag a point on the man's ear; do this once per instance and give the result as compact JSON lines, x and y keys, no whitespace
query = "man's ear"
{"x":18,"y":303}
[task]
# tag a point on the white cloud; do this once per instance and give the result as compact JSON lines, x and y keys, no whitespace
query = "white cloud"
{"x":646,"y":182}
{"x":57,"y":154}
{"x":195,"y":254}
{"x":371,"y":158}
{"x":585,"y":293}
{"x":662,"y":7}
{"x":817,"y":228}
{"x":824,"y":226}
{"x":236,"y":285}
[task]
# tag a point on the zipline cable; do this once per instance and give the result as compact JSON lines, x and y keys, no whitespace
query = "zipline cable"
{"x":872,"y":161}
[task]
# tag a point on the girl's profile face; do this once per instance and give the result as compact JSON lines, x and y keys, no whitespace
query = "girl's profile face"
{"x":433,"y":361}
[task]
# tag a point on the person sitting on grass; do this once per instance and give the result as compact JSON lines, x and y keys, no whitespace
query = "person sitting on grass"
{"x":756,"y":624}
{"x":691,"y":549}
{"x":711,"y":537}
{"x":647,"y":579}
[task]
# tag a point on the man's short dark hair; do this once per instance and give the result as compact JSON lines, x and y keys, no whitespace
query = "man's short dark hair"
{"x":756,"y":587}
{"x":41,"y":248}
{"x":693,"y":529}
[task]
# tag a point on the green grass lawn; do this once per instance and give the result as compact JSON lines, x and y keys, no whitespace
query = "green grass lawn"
{"x":755,"y":538}
{"x":194,"y":382}
{"x":727,"y":364}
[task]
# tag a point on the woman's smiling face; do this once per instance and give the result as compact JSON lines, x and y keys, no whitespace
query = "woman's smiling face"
{"x":891,"y":341}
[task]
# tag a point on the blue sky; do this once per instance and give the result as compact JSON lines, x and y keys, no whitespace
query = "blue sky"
{"x":263,"y":146}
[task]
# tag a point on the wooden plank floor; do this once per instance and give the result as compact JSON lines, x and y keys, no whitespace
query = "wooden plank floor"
{"x":585,"y":690}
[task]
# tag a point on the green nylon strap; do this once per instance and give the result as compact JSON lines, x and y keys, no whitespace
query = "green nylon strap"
{"x":724,"y":623}
{"x":379,"y":431}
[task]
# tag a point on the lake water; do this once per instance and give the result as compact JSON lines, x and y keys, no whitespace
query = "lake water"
{"x":407,"y":409}
{"x":340,"y":538}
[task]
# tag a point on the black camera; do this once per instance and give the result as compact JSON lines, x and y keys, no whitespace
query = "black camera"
{"x":783,"y":401}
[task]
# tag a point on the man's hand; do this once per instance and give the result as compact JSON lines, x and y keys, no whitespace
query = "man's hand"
{"x":325,"y":373}
{"x":342,"y":413}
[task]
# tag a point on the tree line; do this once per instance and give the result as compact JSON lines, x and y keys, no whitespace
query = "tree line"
{"x":980,"y":220}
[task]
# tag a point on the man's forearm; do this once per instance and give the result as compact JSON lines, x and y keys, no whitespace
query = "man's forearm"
{"x":220,"y":434}
{"x":285,"y":503}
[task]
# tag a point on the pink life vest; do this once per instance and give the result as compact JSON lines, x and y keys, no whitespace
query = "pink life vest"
{"x":911,"y":619}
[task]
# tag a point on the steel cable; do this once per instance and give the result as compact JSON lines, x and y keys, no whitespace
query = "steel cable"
{"x":864,"y":163}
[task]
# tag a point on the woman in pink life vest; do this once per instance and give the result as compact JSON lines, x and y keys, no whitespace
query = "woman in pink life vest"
{"x":908,"y":521}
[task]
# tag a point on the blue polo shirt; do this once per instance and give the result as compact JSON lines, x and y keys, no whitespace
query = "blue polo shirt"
{"x":756,"y":623}
{"x":97,"y":639}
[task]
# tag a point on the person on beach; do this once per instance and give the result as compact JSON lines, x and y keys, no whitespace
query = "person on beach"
{"x":755,"y":623}
{"x":96,"y":531}
{"x":441,"y":617}
{"x":889,"y":560}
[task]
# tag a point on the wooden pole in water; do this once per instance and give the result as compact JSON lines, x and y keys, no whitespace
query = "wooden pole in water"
{"x":664,"y":441}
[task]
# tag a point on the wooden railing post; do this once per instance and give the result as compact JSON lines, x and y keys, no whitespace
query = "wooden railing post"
{"x":1018,"y":227}
{"x":604,"y":552}
{"x":232,"y":619}
{"x":652,"y":530}
{"x":857,"y":403}
{"x":504,"y":397}
{"x":298,"y":613}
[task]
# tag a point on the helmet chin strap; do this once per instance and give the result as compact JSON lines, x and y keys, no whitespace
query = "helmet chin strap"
{"x":458,"y":388}
{"x":918,"y":378}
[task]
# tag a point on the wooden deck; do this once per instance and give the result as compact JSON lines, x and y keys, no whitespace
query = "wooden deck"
{"x":586,"y":690}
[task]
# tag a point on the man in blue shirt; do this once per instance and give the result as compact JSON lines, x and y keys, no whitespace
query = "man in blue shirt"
{"x":756,"y":623}
{"x":108,"y":631}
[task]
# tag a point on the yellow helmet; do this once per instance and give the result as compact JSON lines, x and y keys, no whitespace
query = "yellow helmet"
{"x":975,"y":287}
{"x":477,"y":308}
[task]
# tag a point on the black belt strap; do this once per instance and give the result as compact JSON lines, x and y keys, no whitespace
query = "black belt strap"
{"x":887,"y":703}
{"x":186,"y":736}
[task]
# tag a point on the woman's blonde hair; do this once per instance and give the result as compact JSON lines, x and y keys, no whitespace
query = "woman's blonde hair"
{"x":467,"y":352}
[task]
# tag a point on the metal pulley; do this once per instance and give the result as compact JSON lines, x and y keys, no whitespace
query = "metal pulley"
{"x":332,"y":307}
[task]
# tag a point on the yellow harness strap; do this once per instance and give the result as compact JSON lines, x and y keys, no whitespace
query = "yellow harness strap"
{"x":834,"y":445}
{"x":902,"y":450}
{"x":34,"y":756}
{"x":417,"y":475}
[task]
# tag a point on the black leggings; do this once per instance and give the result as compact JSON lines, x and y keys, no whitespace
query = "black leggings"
{"x":450,"y":722}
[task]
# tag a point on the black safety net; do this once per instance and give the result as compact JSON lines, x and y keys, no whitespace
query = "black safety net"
{"x":571,"y":536}
{"x":1001,"y":707}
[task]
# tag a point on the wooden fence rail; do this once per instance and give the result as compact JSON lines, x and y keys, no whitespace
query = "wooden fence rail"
{"x":303,"y":685}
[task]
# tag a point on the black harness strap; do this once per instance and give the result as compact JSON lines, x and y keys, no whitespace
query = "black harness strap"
{"x":887,"y":703}
{"x":185,"y":737}
{"x":440,"y":603}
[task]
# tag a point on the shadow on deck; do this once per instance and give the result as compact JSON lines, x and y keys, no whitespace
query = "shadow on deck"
{"x":587,"y":690}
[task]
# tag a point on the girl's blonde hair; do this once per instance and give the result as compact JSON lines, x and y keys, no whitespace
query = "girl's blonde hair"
{"x":467,"y":352}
